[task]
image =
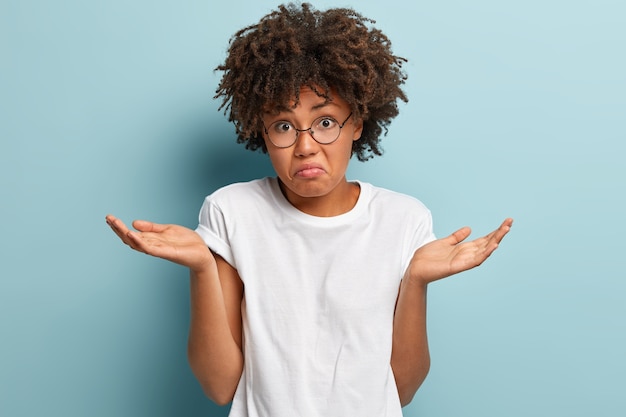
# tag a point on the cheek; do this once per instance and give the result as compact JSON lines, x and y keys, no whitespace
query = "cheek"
{"x":348,"y":148}
{"x":279,"y":160}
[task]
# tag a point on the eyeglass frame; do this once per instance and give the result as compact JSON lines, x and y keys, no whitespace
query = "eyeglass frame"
{"x":307,"y":130}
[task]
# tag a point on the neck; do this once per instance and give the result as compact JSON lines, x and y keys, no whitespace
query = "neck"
{"x":341,"y":200}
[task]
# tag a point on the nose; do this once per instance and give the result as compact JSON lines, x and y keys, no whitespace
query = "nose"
{"x":305,"y":144}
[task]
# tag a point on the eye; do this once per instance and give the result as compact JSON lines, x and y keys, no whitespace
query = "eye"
{"x":281,"y":127}
{"x":325,"y":123}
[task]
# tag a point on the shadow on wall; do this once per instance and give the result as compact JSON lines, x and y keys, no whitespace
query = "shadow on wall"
{"x":206,"y":158}
{"x":216,"y":159}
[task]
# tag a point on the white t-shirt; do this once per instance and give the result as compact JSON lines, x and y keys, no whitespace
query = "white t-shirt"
{"x":319,"y":297}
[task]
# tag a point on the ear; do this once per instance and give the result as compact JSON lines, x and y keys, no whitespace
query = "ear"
{"x":358,"y":130}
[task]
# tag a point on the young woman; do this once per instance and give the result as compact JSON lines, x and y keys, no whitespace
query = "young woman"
{"x":308,"y":291}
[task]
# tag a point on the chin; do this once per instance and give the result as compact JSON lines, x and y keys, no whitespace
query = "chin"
{"x":307,"y":188}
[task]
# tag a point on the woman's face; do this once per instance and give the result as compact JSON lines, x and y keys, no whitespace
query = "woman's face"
{"x":312,"y":173}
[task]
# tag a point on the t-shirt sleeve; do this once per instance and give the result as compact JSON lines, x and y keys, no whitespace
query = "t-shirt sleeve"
{"x":422,"y":234}
{"x":212,"y":229}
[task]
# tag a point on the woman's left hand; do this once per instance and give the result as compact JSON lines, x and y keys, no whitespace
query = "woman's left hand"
{"x":450,"y":255}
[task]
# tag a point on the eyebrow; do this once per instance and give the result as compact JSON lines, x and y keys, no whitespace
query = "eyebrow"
{"x":318,"y":106}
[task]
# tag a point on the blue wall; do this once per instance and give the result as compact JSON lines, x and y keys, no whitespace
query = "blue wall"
{"x":516,"y":109}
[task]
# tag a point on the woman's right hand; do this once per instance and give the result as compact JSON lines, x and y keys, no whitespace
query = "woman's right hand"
{"x":168,"y":241}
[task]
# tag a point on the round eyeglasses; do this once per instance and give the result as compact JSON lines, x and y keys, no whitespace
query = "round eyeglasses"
{"x":324,"y":130}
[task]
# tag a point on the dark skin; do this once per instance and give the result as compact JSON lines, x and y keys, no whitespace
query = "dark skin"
{"x":313,"y":180}
{"x":217,"y":292}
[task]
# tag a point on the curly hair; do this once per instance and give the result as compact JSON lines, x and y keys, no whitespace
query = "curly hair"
{"x":294,"y":46}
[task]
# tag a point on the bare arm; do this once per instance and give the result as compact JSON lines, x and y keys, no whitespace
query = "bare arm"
{"x":410,"y":358}
{"x":214,"y":347}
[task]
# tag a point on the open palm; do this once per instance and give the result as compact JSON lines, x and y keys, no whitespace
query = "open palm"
{"x":168,"y":241}
{"x":450,"y":255}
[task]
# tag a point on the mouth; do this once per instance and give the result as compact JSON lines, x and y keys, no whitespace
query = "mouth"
{"x":309,"y":171}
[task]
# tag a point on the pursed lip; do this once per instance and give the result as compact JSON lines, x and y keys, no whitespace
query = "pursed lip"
{"x":309,"y":170}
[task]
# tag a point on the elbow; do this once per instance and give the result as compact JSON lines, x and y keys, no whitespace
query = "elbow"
{"x":406,"y":395}
{"x":219,"y":385}
{"x":219,"y":390}
{"x":406,"y":399}
{"x":409,"y":384}
{"x":219,"y":397}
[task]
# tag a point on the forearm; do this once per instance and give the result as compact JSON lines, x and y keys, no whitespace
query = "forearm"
{"x":410,"y":359}
{"x":214,"y":351}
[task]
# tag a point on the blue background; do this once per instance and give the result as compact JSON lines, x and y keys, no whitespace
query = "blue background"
{"x":516,"y":109}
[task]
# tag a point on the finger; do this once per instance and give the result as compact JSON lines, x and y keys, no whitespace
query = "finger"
{"x":498,"y":234}
{"x":131,"y":238}
{"x":150,"y":244}
{"x":146,"y":226}
{"x":111,"y":220}
{"x":136,"y":241}
{"x":460,"y":235}
{"x":117,"y":226}
{"x":493,"y":239}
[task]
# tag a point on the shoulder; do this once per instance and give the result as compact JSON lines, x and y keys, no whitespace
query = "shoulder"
{"x":244,"y":201}
{"x":237,"y":203}
{"x":393,"y":201}
{"x":399,"y":216}
{"x":242,"y":192}
{"x":261,"y":184}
